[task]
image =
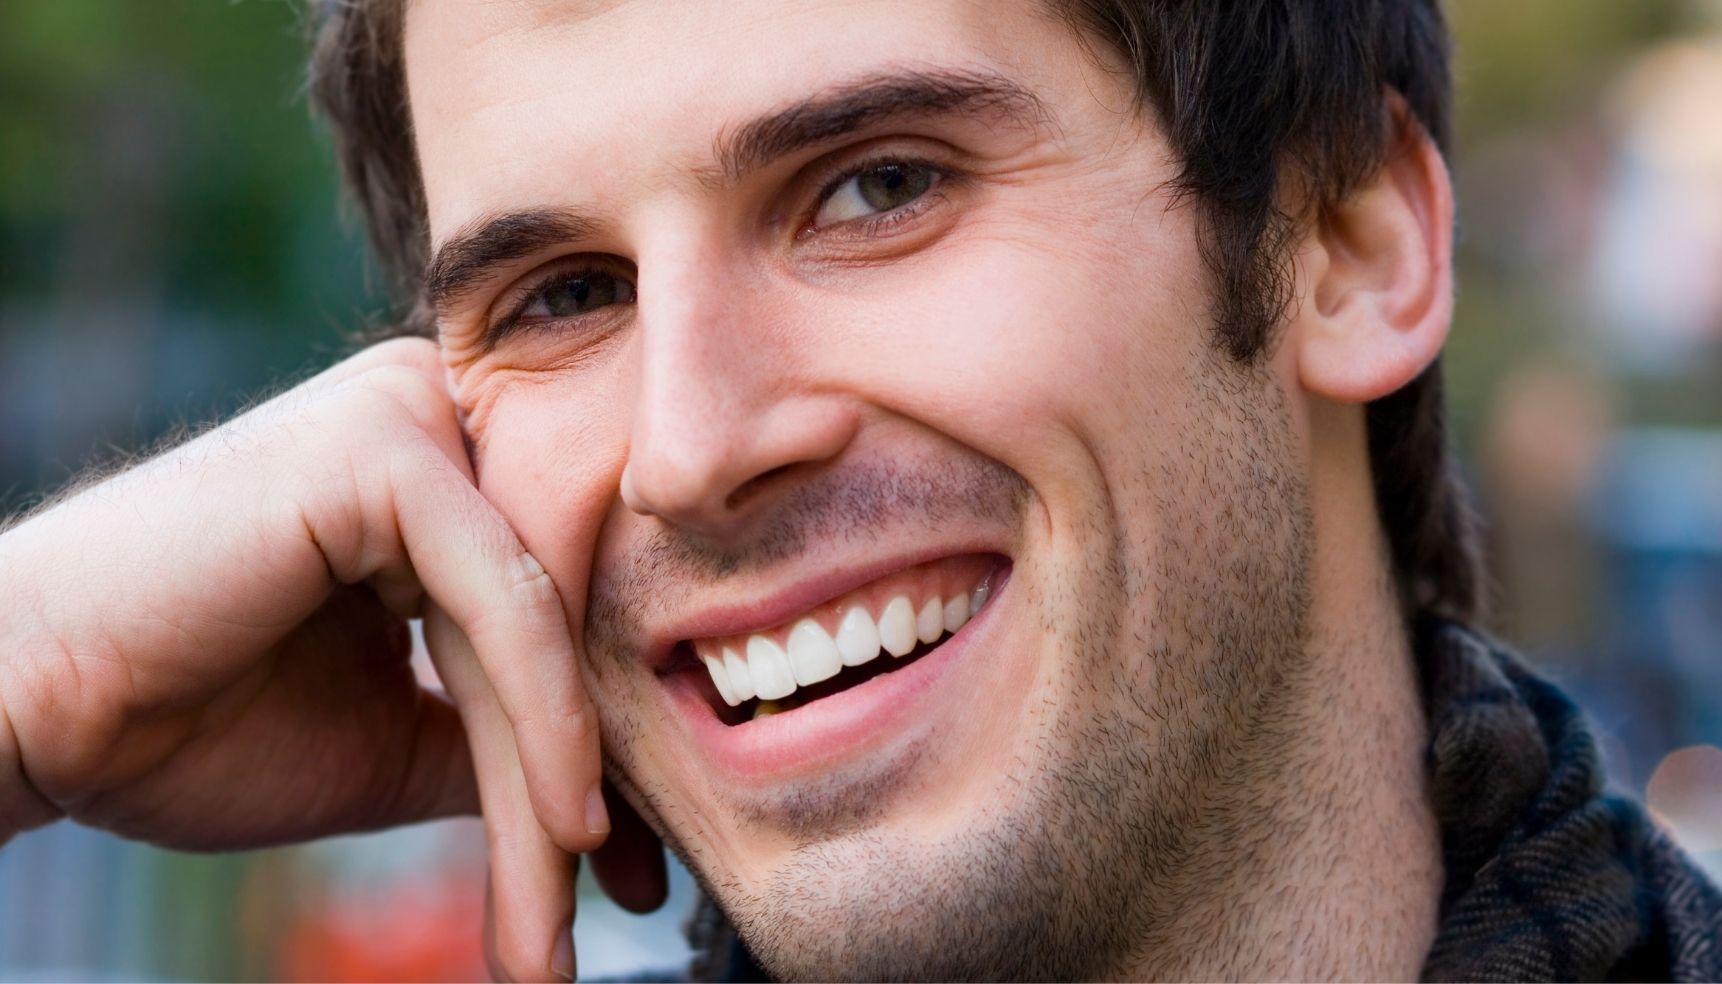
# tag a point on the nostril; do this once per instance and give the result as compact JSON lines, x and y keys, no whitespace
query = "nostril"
{"x":753,"y":486}
{"x":706,"y":468}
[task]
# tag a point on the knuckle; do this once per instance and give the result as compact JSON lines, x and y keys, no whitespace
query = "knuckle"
{"x":55,"y":686}
{"x":416,"y":393}
{"x":418,"y":353}
{"x":387,"y":417}
{"x":529,"y":583}
{"x":529,"y":604}
{"x":583,"y":724}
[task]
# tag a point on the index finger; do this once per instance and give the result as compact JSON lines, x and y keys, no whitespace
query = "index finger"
{"x":411,"y":505}
{"x":529,"y":903}
{"x":476,"y":569}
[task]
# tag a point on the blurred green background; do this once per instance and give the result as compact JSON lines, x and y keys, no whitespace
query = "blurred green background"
{"x":170,"y":247}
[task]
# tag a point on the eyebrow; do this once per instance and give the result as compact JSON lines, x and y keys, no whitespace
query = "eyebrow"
{"x":471,"y":255}
{"x":870,"y":100}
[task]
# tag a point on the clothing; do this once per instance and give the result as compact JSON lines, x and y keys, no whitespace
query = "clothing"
{"x":1546,"y":878}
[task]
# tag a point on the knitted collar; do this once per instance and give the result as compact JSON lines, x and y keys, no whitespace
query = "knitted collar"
{"x":1546,"y":877}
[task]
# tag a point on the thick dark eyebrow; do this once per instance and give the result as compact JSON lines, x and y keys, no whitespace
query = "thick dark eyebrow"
{"x":868,"y":101}
{"x":468,"y":257}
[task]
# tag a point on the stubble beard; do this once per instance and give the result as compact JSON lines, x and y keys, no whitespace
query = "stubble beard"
{"x":1138,"y":801}
{"x":1147,"y":789}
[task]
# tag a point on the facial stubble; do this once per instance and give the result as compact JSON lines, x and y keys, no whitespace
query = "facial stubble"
{"x":1143,"y":794}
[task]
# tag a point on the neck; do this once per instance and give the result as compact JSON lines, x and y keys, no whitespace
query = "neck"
{"x":1334,"y":870}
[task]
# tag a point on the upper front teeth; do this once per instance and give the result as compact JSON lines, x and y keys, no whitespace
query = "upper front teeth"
{"x":857,"y":637}
{"x":812,"y":655}
{"x":770,"y":671}
{"x":768,"y":664}
{"x":897,"y":627}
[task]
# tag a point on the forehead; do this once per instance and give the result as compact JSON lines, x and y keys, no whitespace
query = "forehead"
{"x":556,"y":100}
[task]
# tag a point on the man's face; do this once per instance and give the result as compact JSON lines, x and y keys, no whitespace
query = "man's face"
{"x":802,"y":310}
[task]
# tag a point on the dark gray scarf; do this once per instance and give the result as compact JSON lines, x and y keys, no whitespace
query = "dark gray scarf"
{"x":1546,"y":877}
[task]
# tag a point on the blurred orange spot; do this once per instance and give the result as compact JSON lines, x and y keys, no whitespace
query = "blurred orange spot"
{"x":1686,"y":792}
{"x":426,"y":930}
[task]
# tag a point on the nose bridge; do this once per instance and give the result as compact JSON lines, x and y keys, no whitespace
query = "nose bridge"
{"x":693,"y":389}
{"x":688,"y":332}
{"x":717,"y":405}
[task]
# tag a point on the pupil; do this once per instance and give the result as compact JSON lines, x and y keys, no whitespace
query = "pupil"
{"x":578,"y":294}
{"x":892,"y":186}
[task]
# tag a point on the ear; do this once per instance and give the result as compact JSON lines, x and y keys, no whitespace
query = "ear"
{"x":1379,"y":288}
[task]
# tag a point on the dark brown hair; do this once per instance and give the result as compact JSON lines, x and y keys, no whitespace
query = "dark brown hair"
{"x":1255,"y":96}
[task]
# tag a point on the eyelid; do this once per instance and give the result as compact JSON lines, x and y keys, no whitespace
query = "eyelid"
{"x":520,"y":295}
{"x":854,"y":167}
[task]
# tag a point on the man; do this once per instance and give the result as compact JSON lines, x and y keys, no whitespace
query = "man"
{"x":984,"y":462}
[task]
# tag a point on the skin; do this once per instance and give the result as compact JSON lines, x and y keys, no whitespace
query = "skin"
{"x":210,"y":651}
{"x":1191,"y":746}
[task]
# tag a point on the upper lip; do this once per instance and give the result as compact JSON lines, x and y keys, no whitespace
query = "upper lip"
{"x":801,"y":592}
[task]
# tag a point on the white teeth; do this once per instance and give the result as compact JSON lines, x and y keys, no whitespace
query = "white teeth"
{"x":812,"y":655}
{"x":857,"y":637}
{"x":956,"y":612}
{"x":769,"y":666}
{"x":930,"y":623}
{"x":772,"y":672}
{"x":740,"y":680}
{"x":720,"y":676}
{"x":897,"y":627}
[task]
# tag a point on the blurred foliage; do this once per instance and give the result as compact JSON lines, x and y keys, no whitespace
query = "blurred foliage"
{"x":167,"y":201}
{"x":1523,"y":63}
{"x":1537,"y":74}
{"x":185,"y":115}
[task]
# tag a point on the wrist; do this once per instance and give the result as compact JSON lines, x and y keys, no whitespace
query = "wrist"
{"x":22,"y":805}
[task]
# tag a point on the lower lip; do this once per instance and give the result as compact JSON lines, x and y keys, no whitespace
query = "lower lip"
{"x":815,"y":736}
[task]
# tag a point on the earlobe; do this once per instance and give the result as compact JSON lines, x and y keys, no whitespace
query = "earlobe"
{"x":1378,"y":291}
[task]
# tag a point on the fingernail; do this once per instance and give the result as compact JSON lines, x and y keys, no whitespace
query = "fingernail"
{"x":597,"y":816}
{"x":562,"y":957}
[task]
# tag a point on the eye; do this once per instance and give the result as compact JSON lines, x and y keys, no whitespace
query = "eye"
{"x":575,"y":293}
{"x":873,"y":190}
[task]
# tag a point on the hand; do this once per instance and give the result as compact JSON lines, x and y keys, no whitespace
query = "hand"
{"x":629,"y":865}
{"x":210,"y":651}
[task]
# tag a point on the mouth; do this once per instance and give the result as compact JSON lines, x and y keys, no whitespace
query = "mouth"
{"x":841,"y":643}
{"x":837,"y":645}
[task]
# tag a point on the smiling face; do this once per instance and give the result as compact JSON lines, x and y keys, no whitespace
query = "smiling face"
{"x":850,"y":369}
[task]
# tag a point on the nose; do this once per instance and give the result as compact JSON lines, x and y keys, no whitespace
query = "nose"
{"x":724,"y":417}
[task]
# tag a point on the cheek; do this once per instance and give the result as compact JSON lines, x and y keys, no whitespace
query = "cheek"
{"x":553,"y":457}
{"x":1036,"y":347}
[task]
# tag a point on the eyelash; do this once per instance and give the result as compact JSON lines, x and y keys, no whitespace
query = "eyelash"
{"x":533,"y":294}
{"x":876,"y":224}
{"x":873,"y":225}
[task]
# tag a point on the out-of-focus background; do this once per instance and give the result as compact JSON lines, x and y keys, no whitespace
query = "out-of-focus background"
{"x":170,"y":246}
